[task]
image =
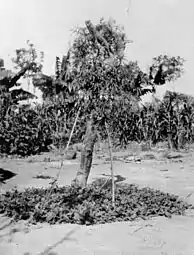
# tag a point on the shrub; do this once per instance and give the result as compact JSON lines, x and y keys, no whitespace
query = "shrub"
{"x":30,"y":130}
{"x":24,"y":133}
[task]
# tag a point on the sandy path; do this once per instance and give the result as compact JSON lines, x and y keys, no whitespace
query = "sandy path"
{"x":156,"y":236}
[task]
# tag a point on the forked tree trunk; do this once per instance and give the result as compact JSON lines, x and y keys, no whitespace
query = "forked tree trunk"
{"x":86,"y":155}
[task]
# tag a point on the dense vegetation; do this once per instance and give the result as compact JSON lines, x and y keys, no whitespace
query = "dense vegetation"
{"x":170,"y":120}
{"x":91,"y":205}
{"x":32,"y":130}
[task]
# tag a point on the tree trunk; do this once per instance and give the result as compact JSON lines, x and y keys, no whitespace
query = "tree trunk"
{"x":170,"y":142}
{"x":86,"y":155}
{"x":170,"y":145}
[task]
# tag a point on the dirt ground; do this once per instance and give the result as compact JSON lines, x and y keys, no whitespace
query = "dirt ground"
{"x":172,"y":173}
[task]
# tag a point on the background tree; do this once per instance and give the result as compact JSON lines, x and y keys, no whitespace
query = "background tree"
{"x":27,"y":64}
{"x":26,"y":56}
{"x":9,"y":94}
{"x":166,"y":68}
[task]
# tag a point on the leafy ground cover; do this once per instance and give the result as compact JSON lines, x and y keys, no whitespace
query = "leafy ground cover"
{"x":91,"y":205}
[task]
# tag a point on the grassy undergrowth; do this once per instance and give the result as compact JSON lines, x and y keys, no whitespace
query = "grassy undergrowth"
{"x":90,"y":205}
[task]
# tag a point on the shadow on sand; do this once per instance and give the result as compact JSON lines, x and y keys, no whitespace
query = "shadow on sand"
{"x":5,"y":175}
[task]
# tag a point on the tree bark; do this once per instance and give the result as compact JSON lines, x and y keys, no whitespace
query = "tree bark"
{"x":86,"y":155}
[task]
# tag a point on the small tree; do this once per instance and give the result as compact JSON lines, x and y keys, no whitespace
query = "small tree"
{"x":9,"y":95}
{"x":27,"y":65}
{"x":95,"y":76}
{"x":26,"y":56}
{"x":97,"y":53}
{"x":100,"y":72}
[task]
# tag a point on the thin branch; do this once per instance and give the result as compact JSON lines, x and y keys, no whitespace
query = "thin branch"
{"x":111,"y":164}
{"x":71,"y":134}
{"x":54,"y":182}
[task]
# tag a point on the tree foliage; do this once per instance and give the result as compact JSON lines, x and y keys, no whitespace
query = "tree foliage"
{"x":26,"y":56}
{"x":27,"y":64}
{"x":10,"y":95}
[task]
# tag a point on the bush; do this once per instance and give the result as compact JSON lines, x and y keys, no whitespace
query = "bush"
{"x":24,"y":133}
{"x":90,"y":205}
{"x":30,"y":130}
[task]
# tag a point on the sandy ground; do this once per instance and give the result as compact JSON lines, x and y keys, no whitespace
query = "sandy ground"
{"x":156,"y":236}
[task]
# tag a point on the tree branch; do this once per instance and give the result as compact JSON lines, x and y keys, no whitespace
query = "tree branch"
{"x":11,"y":81}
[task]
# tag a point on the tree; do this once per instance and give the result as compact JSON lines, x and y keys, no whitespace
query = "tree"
{"x":26,"y":56}
{"x":95,"y":74}
{"x":27,"y":65}
{"x":103,"y":76}
{"x":10,"y":96}
{"x":97,"y":52}
{"x":166,"y":68}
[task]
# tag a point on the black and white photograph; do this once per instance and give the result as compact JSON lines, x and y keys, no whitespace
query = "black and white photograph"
{"x":97,"y":127}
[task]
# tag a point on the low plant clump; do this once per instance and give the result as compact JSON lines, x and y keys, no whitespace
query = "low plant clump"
{"x":90,"y":205}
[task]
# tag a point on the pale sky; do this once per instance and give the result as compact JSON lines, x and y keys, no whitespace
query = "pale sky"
{"x":155,"y":26}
